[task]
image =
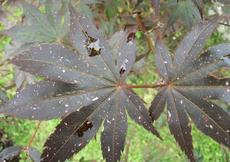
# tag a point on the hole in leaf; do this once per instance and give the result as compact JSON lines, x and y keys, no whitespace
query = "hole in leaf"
{"x":122,"y":70}
{"x":92,"y":45}
{"x":130,"y":37}
{"x":85,"y":126}
{"x":123,"y":67}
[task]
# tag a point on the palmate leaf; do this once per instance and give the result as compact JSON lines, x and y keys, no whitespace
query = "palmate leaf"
{"x":187,"y":11}
{"x":199,"y":4}
{"x":190,"y":87}
{"x":38,"y":27}
{"x":86,"y":86}
{"x":180,"y":5}
{"x":42,"y":27}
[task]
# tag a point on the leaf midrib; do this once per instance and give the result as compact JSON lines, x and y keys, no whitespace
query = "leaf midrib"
{"x":76,"y":128}
{"x":115,"y":126}
{"x":162,"y":99}
{"x":181,"y":132}
{"x":165,"y":64}
{"x":68,"y":68}
{"x":193,"y":45}
{"x":200,"y":86}
{"x":151,"y":129}
{"x":102,"y":58}
{"x":65,"y":96}
{"x":198,"y":108}
{"x":202,"y":68}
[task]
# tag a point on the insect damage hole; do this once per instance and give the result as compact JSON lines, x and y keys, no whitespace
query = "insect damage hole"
{"x":84,"y":127}
{"x":123,"y":67}
{"x":92,"y":45}
{"x":122,"y":70}
{"x":130,"y":38}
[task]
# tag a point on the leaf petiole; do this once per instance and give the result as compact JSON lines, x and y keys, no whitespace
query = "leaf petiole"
{"x":143,"y":86}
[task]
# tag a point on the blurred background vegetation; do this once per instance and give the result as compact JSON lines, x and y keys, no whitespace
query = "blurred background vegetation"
{"x":112,"y":16}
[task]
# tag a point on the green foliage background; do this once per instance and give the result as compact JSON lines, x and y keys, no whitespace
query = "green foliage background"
{"x":141,"y":146}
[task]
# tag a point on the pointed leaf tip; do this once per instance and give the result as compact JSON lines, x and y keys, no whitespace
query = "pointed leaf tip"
{"x":191,"y":87}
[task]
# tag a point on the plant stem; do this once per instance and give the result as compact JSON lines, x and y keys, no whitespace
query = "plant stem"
{"x":228,"y":25}
{"x":34,"y":134}
{"x":31,"y":141}
{"x":144,"y":86}
{"x":142,"y":27}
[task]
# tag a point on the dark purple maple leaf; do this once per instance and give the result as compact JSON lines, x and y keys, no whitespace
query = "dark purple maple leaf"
{"x":190,"y":87}
{"x":86,"y":86}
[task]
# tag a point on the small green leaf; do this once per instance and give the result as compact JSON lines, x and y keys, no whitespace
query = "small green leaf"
{"x":138,"y":34}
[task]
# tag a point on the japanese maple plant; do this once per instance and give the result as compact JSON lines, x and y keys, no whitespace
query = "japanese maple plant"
{"x":84,"y":83}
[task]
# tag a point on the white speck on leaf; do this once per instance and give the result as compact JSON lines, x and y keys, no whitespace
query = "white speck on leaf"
{"x":95,"y":99}
{"x":169,"y":114}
